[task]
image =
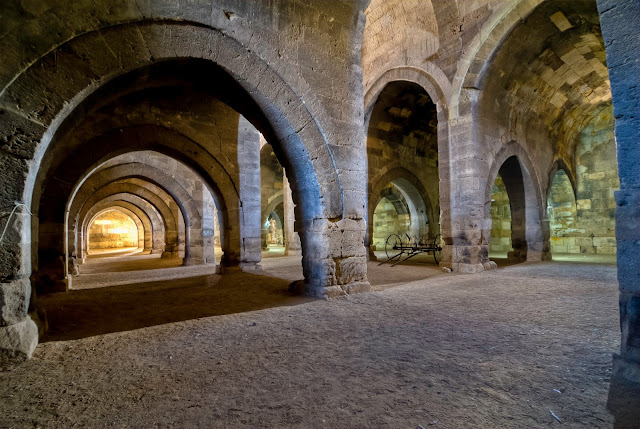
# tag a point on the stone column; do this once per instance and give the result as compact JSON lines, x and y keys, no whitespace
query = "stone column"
{"x":620,"y":21}
{"x":18,"y":332}
{"x":208,"y":226}
{"x":194,"y":229}
{"x":172,"y":236}
{"x":292,"y":245}
{"x":465,"y":248}
{"x":250,"y":222}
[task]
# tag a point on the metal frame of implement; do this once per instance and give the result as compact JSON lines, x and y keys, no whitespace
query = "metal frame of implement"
{"x":394,"y":247}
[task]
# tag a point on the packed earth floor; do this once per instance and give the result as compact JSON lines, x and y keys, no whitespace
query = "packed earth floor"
{"x":505,"y":348}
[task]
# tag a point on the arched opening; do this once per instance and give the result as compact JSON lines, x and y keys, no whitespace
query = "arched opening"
{"x":222,"y":172}
{"x":170,"y":189}
{"x":562,"y":214}
{"x":275,"y":225}
{"x":402,"y":153}
{"x":500,"y":242}
{"x":172,"y":96}
{"x":274,"y":187}
{"x":113,"y":230}
{"x":202,"y":144}
{"x":508,"y":213}
{"x":391,"y":216}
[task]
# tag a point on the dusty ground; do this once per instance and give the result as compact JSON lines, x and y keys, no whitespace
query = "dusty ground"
{"x":449,"y":351}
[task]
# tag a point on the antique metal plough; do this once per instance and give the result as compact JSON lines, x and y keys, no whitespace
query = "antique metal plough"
{"x":396,"y":247}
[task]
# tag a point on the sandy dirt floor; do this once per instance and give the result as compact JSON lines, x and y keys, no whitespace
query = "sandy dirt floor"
{"x":498,"y":349}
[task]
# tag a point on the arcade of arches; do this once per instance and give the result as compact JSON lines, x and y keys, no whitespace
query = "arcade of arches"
{"x":153,"y":154}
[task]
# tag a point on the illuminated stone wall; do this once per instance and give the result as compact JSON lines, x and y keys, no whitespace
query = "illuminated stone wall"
{"x":113,"y":230}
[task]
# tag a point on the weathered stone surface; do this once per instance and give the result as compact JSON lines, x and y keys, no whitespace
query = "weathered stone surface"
{"x":14,"y":301}
{"x":619,"y":21}
{"x":18,"y":341}
{"x":456,"y":93}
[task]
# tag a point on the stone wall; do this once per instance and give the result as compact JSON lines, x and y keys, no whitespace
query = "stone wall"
{"x":597,"y":180}
{"x":500,"y":242}
{"x":113,"y":230}
{"x":387,"y":221}
{"x":587,"y":225}
{"x":561,"y":207}
{"x":402,"y":153}
{"x":620,"y":21}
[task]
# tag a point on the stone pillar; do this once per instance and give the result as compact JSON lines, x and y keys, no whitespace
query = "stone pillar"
{"x":371,"y":256}
{"x":182,"y":229}
{"x":292,"y":245}
{"x":195,"y":229}
{"x":172,"y":237}
{"x":461,"y":198}
{"x":250,"y":222}
{"x":620,"y":21}
{"x":208,"y":226}
{"x":18,"y":332}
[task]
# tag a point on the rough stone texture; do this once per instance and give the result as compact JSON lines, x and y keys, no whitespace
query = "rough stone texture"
{"x":103,"y":236}
{"x":561,"y":203}
{"x":151,"y":218}
{"x":597,"y":180}
{"x":391,"y":216}
{"x":402,"y":156}
{"x":500,"y":219}
{"x":501,"y":87}
{"x":620,"y":21}
{"x":102,"y":80}
{"x":291,"y":237}
{"x":250,"y":193}
{"x":18,"y":341}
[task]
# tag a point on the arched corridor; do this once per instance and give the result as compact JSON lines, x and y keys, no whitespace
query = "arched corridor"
{"x":217,"y":180}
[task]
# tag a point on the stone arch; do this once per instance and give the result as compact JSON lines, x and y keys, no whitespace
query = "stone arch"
{"x":282,"y":107}
{"x":412,"y":188}
{"x":395,"y":173}
{"x":530,"y":230}
{"x":280,"y":113}
{"x":273,"y":202}
{"x":484,"y":44}
{"x":561,"y":165}
{"x":168,"y":217}
{"x":397,"y":199}
{"x":50,"y":86}
{"x":191,"y":213}
{"x":164,"y":141}
{"x":434,"y":82}
{"x":142,"y":242}
{"x":563,"y":215}
{"x":276,"y":199}
{"x":139,"y":206}
{"x":431,"y":78}
{"x":144,"y":218}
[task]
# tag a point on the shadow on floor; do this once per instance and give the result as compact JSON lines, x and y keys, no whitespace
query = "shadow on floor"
{"x":84,"y":313}
{"x":122,"y":262}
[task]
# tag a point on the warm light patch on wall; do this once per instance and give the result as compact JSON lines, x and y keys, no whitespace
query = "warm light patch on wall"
{"x":113,"y":229}
{"x":118,"y":231}
{"x":561,"y":21}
